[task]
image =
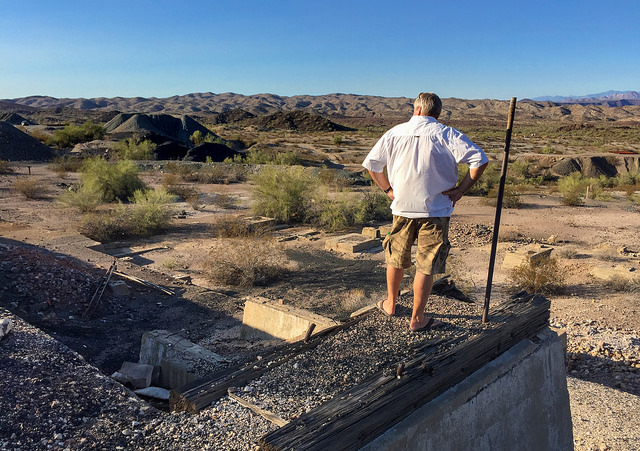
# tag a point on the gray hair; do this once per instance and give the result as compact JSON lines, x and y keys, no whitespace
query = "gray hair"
{"x":429,"y":103}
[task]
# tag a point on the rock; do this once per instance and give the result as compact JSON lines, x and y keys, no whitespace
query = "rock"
{"x":5,"y":327}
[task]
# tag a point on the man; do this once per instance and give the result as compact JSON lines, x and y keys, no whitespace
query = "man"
{"x":421,"y":157}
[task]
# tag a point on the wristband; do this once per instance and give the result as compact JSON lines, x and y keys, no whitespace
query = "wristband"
{"x":388,"y":189}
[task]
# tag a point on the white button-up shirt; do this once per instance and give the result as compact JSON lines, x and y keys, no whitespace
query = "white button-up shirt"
{"x":422,"y":157}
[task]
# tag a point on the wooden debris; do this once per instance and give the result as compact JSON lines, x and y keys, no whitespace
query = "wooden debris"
{"x":198,"y":394}
{"x":144,"y":282}
{"x":97,"y":295}
{"x":275,"y":419}
{"x":359,"y":415}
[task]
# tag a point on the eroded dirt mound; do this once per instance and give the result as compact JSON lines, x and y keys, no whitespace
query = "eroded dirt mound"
{"x":161,"y":125}
{"x":297,"y":120}
{"x":18,"y":146}
{"x":587,"y":166}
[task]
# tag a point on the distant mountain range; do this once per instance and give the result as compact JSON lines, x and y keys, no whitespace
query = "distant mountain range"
{"x":346,"y":109}
{"x":614,"y":98}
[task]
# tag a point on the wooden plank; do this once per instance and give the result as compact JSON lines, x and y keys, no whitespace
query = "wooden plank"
{"x":198,"y":394}
{"x":275,"y":419}
{"x":359,"y":415}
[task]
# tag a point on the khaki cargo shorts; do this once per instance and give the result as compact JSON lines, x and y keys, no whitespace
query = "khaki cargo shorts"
{"x":433,"y":244}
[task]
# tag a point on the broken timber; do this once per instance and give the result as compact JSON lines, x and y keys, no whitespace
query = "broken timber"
{"x":275,"y":419}
{"x":146,"y":283}
{"x":200,"y":393}
{"x":95,"y":299}
{"x":359,"y":415}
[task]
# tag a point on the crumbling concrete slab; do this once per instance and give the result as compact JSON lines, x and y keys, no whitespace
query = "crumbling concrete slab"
{"x":154,"y":392}
{"x":264,"y":319}
{"x":259,"y":224}
{"x":136,"y":375}
{"x":180,"y":360}
{"x":371,"y":232}
{"x":351,"y":243}
{"x":534,"y":253}
{"x":625,"y":272}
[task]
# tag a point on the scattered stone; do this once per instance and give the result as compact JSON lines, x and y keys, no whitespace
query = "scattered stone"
{"x":154,"y":392}
{"x":5,"y":327}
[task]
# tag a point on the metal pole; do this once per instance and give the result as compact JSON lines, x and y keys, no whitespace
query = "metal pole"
{"x":496,"y":225}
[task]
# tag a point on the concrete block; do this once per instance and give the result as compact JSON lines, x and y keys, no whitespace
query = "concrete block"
{"x":264,"y":319}
{"x":528,"y":254}
{"x":518,"y":401}
{"x":136,"y":375}
{"x":384,"y":230}
{"x":371,"y":232}
{"x":154,"y":392}
{"x":180,"y":361}
{"x":119,"y":288}
{"x":612,"y":272}
{"x":5,"y":326}
{"x":351,"y":243}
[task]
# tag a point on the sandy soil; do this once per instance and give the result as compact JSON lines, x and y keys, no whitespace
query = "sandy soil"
{"x":586,"y":240}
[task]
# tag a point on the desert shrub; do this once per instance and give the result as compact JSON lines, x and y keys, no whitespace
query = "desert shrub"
{"x":188,"y":193}
{"x":283,"y":193}
{"x":198,"y":138}
{"x":622,"y":284}
{"x":72,"y":134}
{"x":245,"y":262}
{"x":84,"y":200}
{"x":490,"y":178}
{"x":112,"y":181}
{"x":147,"y":215}
{"x":338,"y":140}
{"x":224,"y":200}
{"x":338,"y":179}
{"x":261,"y":156}
{"x":540,"y":277}
{"x":63,"y":164}
{"x":229,"y":226}
{"x":150,"y":212}
{"x":134,"y":148}
{"x":353,"y":300}
{"x":510,"y":197}
{"x":29,"y":187}
{"x":572,"y":188}
{"x":373,"y":206}
{"x":333,"y":215}
{"x":547,"y":150}
{"x":635,"y":198}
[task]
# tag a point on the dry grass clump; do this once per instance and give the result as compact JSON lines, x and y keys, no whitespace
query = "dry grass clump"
{"x":622,"y":284}
{"x":245,"y":262}
{"x":543,"y":277}
{"x":230,"y":226}
{"x":30,"y":187}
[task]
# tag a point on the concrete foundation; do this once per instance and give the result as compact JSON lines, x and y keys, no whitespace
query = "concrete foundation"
{"x":519,"y":401}
{"x":351,"y":243}
{"x":529,"y":254}
{"x":265,"y":319}
{"x":179,"y":360}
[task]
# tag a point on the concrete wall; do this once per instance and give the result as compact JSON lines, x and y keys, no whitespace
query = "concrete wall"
{"x":519,"y":401}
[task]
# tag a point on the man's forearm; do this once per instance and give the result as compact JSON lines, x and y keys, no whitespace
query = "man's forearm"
{"x":380,"y":179}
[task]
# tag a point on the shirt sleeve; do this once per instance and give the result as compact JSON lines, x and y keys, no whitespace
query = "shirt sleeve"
{"x":465,"y":150}
{"x":376,"y":160}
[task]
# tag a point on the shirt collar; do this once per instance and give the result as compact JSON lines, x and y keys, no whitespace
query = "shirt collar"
{"x":422,"y":119}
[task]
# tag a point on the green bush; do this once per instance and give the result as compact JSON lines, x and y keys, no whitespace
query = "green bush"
{"x":261,"y":156}
{"x":82,"y":199}
{"x":572,"y":188}
{"x":147,"y":215}
{"x":283,"y":193}
{"x":373,"y":206}
{"x":134,"y":149}
{"x":110,"y":181}
{"x":334,"y":215}
{"x":72,"y":134}
{"x":510,"y":197}
{"x":197,"y":138}
{"x":490,"y":179}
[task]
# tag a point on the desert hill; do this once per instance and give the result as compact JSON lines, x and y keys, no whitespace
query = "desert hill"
{"x":369,"y":109}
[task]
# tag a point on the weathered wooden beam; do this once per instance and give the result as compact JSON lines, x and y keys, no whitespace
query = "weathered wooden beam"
{"x":356,"y":417}
{"x":200,"y":393}
{"x":275,"y":419}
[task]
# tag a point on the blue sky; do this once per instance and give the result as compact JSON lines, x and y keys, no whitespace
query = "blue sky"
{"x":466,"y":49}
